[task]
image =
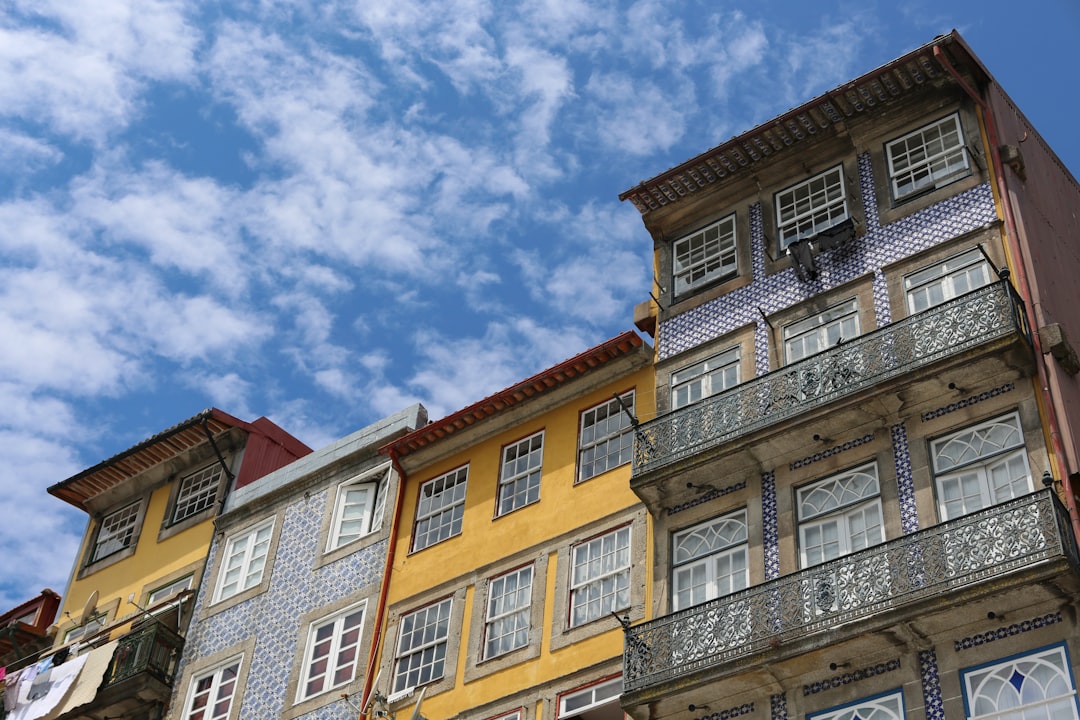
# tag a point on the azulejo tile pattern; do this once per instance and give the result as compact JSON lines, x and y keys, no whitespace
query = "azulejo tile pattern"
{"x":744,"y":709}
{"x":834,"y":450}
{"x":931,"y":685}
{"x":967,"y":402}
{"x":905,"y":482}
{"x":705,"y":497}
{"x":296,"y":588}
{"x":769,"y":531}
{"x":850,"y":677}
{"x":778,"y":706}
{"x":869,"y":253}
{"x":1007,"y":631}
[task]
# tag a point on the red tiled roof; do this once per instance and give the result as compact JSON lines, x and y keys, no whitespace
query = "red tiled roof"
{"x":542,"y":382}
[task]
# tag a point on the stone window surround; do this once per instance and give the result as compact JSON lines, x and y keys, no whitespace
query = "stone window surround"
{"x":244,"y":649}
{"x":217,"y":553}
{"x":90,"y":566}
{"x":741,"y":338}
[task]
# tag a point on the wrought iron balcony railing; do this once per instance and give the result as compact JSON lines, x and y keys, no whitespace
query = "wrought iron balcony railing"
{"x":971,"y":320}
{"x":152,"y":649}
{"x":977,"y":548}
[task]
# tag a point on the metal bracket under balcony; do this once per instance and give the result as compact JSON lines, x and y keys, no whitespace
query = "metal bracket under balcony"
{"x":974,"y":319}
{"x":978,"y":549}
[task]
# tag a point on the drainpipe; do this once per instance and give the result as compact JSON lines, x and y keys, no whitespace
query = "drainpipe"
{"x":1012,"y":238}
{"x":380,"y":613}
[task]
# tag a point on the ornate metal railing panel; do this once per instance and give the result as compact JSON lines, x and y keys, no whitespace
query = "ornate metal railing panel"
{"x":978,"y":317}
{"x":153,"y":649}
{"x":976,"y":548}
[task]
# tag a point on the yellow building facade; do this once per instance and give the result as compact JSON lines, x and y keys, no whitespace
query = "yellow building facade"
{"x":519,"y":548}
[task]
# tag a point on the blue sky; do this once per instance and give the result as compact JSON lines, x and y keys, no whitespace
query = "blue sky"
{"x":322,"y":212}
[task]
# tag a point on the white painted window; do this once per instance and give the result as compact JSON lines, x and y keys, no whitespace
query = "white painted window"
{"x":705,"y":378}
{"x":165,"y":592}
{"x":117,"y":531}
{"x":709,"y":560}
{"x":814,"y":205}
{"x":927,"y":158}
{"x":704,"y":256}
{"x":946,"y":280}
{"x":197,"y":492}
{"x":358,"y":508}
{"x":519,"y":478}
{"x":421,"y":648}
{"x":889,"y":706}
{"x":981,"y":465}
{"x":243,"y":560}
{"x":839,"y":515}
{"x":822,"y":331}
{"x":508,"y":608}
{"x":211,"y":694}
{"x":600,"y":577}
{"x":89,"y":628}
{"x":1036,"y":686}
{"x":606,"y":440}
{"x":597,"y":702}
{"x":332,"y":653}
{"x":441,"y":508}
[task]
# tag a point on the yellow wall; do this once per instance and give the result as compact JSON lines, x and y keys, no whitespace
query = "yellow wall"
{"x":144,"y":570}
{"x":562,"y":508}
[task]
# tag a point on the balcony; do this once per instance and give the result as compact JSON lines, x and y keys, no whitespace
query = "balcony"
{"x":949,"y":330}
{"x":853,"y":595}
{"x":152,"y":649}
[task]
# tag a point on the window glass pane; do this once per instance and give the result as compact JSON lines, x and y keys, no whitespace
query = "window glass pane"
{"x":330,"y":659}
{"x":814,"y":205}
{"x":441,"y":508}
{"x":117,"y":531}
{"x":710,"y":377}
{"x":704,"y":256}
{"x":600,"y":577}
{"x":509,"y":598}
{"x":840,"y":515}
{"x":928,"y":157}
{"x":197,"y":492}
{"x":519,"y":482}
{"x":947,"y":280}
{"x":421,"y":650}
{"x":819,"y":332}
{"x":243,"y":560}
{"x":1035,"y":686}
{"x":606,"y":439}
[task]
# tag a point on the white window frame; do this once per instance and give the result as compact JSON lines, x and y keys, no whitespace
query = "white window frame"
{"x":827,"y":329}
{"x":812,"y":206}
{"x":575,"y":703}
{"x":197,"y":492}
{"x":247,"y":552}
{"x":706,"y":378}
{"x":163,"y":592}
{"x":705,"y":255}
{"x":430,"y":649}
{"x":886,"y":706}
{"x":219,"y":683}
{"x":88,"y":628}
{"x":606,"y":439}
{"x":440,"y":508}
{"x":927,"y":158}
{"x":974,"y":454}
{"x":948,"y":280}
{"x":346,"y":630}
{"x":352,"y":518}
{"x":846,"y":502}
{"x":508,"y":612}
{"x":708,"y":552}
{"x":520,"y":473}
{"x":121,"y":527}
{"x":983,"y":686}
{"x":598,"y":578}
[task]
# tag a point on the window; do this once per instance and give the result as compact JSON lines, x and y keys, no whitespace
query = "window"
{"x":117,"y":531}
{"x":981,"y":466}
{"x":89,"y":628}
{"x":927,"y":158}
{"x":358,"y":509}
{"x":889,"y":706}
{"x":947,"y":280}
{"x":599,"y":702}
{"x":197,"y":493}
{"x":507,"y":625}
{"x":244,"y":560}
{"x":709,"y":560}
{"x":165,"y":592}
{"x":704,"y":256}
{"x":709,"y":377}
{"x":332,"y":652}
{"x":606,"y":439}
{"x":814,"y":205}
{"x":421,"y":650}
{"x":519,"y":479}
{"x":839,"y":515}
{"x":442,"y":504}
{"x":211,"y":694}
{"x":1036,"y":686}
{"x":600,"y":577}
{"x":822,"y":331}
